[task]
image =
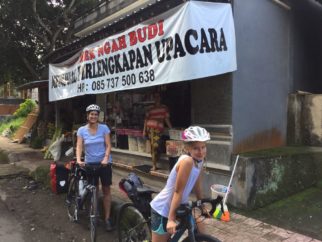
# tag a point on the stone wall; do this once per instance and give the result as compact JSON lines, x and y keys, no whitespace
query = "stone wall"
{"x":261,"y":181}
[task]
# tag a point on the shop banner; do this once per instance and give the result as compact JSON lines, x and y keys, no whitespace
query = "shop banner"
{"x":193,"y":40}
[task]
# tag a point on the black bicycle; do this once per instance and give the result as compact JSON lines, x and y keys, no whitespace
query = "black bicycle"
{"x":184,"y":214}
{"x":133,"y":222}
{"x":82,"y":196}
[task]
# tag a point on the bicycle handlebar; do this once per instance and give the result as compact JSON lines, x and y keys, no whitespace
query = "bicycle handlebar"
{"x":185,"y":209}
{"x":88,"y":169}
{"x":213,"y":202}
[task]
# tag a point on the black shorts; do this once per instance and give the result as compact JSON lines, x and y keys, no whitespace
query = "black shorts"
{"x":158,"y":223}
{"x":104,"y":173}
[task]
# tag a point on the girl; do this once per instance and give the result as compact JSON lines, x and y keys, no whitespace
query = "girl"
{"x":184,"y":177}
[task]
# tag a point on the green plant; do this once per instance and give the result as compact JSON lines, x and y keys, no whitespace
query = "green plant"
{"x":13,"y":124}
{"x":25,"y":108}
{"x":37,"y":142}
{"x":41,"y":174}
{"x":6,"y":119}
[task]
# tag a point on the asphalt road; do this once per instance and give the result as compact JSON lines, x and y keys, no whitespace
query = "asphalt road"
{"x":10,"y":229}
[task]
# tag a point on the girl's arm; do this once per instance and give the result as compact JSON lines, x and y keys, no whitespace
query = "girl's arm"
{"x":183,"y":171}
{"x":198,"y":187}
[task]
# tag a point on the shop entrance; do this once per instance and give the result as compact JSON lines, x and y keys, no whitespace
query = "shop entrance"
{"x":126,"y":112}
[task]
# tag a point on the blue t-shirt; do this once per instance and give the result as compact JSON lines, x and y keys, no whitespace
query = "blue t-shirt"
{"x":94,"y":144}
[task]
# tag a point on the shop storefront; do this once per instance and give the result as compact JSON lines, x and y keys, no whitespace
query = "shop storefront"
{"x":170,"y":54}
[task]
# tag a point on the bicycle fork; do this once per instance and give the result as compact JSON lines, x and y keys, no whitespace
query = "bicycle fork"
{"x":192,"y":230}
{"x":93,"y":200}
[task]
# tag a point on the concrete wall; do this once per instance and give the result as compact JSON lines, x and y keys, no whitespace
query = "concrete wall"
{"x":211,"y":100}
{"x":262,"y":82}
{"x":304,"y":119}
{"x":259,"y":181}
{"x":8,"y":109}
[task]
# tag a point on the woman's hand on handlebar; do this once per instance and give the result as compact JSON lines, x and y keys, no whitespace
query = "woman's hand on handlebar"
{"x":104,"y":162}
{"x":81,"y":163}
{"x":171,"y":226}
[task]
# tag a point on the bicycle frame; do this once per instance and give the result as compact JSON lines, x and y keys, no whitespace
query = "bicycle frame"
{"x":184,"y":213}
{"x":188,"y":224}
{"x":81,"y":195}
{"x":88,"y":189}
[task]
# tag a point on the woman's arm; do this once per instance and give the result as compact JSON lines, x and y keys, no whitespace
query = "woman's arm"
{"x":107,"y":139}
{"x":79,"y":150}
{"x":183,"y":171}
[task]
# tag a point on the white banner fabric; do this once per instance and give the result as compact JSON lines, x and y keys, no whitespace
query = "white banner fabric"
{"x":193,"y":40}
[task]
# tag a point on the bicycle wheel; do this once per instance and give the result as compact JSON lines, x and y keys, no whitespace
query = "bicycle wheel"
{"x":93,"y":215}
{"x":203,"y":238}
{"x":131,"y":225}
{"x":71,"y":199}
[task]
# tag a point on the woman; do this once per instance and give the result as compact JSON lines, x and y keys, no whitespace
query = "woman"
{"x":184,"y":177}
{"x":95,"y":138}
{"x":154,"y":121}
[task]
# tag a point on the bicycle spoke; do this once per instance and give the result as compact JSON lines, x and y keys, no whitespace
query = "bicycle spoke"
{"x":132,"y":227}
{"x":71,"y":200}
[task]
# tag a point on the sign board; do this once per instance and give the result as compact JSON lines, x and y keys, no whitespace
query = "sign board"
{"x":193,"y":40}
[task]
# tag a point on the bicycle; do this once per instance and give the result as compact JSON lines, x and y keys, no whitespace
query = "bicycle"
{"x":82,"y":195}
{"x":133,"y":222}
{"x":184,"y":214}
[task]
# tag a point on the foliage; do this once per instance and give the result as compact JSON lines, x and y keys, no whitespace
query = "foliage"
{"x":37,"y":142}
{"x":41,"y":174}
{"x":30,"y":30}
{"x":6,"y":119}
{"x":13,"y":125}
{"x":14,"y":122}
{"x":25,"y":108}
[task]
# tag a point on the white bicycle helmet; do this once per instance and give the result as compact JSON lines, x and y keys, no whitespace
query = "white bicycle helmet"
{"x":93,"y":107}
{"x":195,"y":133}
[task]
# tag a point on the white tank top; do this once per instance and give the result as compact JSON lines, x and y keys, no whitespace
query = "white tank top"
{"x":161,"y":203}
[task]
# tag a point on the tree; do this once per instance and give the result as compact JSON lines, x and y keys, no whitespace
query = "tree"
{"x":30,"y":30}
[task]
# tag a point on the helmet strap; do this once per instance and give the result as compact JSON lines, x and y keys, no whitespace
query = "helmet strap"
{"x":195,"y":160}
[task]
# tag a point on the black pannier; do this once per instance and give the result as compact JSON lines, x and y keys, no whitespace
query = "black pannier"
{"x":131,"y":186}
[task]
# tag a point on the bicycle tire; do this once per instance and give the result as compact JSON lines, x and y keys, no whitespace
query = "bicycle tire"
{"x":93,"y":215}
{"x":131,"y":225}
{"x":203,"y":238}
{"x":71,"y":199}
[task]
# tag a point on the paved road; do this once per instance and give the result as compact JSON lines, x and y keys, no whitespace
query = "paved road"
{"x":10,"y":229}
